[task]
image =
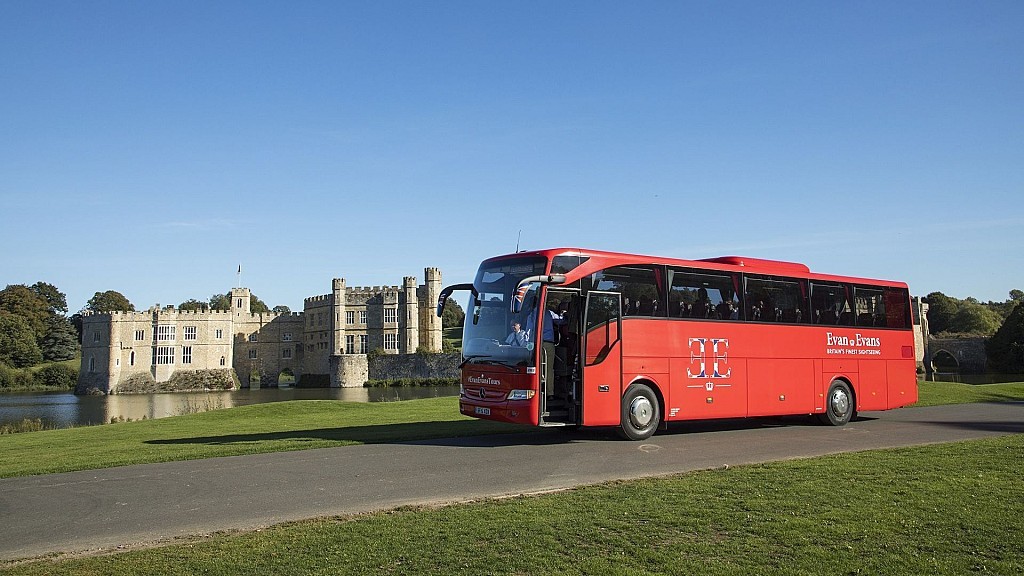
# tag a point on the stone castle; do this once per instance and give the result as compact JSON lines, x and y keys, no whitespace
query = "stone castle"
{"x":325,"y":344}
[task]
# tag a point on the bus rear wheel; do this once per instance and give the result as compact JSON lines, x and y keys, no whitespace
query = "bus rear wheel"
{"x":839,"y":408}
{"x":640,"y":414}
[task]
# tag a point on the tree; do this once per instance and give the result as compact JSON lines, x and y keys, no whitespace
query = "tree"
{"x":223,"y":302}
{"x":257,"y":306}
{"x":220,"y":302}
{"x":1005,"y":348}
{"x":193,"y":304}
{"x":18,"y":346}
{"x":974,"y":318}
{"x":61,"y":340}
{"x":941,"y":309}
{"x":19,"y":300}
{"x":452,"y":314}
{"x":109,"y":301}
{"x":1017,"y":295}
{"x":281,"y":309}
{"x":57,"y":300}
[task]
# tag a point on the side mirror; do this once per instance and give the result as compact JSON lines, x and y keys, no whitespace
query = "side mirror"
{"x":442,"y":298}
{"x":526,"y":284}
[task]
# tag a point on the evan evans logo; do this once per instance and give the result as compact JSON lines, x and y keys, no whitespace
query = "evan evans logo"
{"x":481,"y":379}
{"x":859,"y":345}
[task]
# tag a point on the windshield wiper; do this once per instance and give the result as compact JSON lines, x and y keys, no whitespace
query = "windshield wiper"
{"x":490,"y":361}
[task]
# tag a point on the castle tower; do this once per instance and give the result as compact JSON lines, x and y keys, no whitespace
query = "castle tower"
{"x":240,"y":302}
{"x":430,"y":322}
{"x":409,"y":317}
{"x":338,"y":305}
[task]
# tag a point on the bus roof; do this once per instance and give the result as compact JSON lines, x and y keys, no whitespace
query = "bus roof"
{"x":600,"y":259}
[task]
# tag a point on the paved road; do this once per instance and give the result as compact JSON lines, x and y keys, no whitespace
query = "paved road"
{"x":104,"y":509}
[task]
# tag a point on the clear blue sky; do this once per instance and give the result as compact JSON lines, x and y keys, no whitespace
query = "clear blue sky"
{"x":152,"y":147}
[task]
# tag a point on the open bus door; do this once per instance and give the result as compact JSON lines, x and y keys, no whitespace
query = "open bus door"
{"x":602,"y":359}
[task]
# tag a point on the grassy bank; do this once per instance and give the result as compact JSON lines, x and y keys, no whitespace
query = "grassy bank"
{"x":937,"y":393}
{"x":944,"y":509}
{"x":273,"y":427}
{"x":299,"y":425}
{"x":47,"y":377}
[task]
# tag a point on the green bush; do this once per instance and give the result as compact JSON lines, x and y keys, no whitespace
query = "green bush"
{"x":13,"y":378}
{"x":56,"y":376}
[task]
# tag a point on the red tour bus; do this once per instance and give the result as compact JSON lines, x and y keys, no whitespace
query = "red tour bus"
{"x":570,"y":337}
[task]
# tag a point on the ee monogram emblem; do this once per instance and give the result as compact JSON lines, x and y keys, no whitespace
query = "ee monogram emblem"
{"x":705,"y":351}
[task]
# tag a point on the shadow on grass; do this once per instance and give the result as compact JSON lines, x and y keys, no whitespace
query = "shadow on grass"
{"x":477,"y":433}
{"x":373,"y":434}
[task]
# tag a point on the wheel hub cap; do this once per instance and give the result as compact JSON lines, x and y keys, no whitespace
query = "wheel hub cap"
{"x":840,"y":402}
{"x":641,"y":412}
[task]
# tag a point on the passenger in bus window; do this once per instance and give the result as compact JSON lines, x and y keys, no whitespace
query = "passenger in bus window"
{"x":757,"y":310}
{"x":702,"y":307}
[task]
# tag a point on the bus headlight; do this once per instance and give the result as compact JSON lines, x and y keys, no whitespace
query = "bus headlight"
{"x":520,"y":395}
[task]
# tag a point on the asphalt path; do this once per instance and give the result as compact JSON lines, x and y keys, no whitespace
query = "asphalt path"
{"x":132,"y":506}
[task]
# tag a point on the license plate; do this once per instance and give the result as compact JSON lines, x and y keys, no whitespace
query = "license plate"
{"x":482,"y":411}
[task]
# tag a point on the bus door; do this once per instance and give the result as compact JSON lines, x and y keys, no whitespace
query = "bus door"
{"x":602,"y":359}
{"x":559,"y":365}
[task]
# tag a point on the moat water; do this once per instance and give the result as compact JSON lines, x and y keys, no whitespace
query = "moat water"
{"x":64,"y":409}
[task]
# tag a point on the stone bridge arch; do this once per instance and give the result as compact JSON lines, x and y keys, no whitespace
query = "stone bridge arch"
{"x":961,"y":355}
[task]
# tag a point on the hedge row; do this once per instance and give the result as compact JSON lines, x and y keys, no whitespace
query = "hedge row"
{"x":53,"y":376}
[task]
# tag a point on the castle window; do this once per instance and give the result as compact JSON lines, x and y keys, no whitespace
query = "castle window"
{"x":186,"y":354}
{"x":95,"y":336}
{"x":140,"y":335}
{"x":390,"y":315}
{"x":221,"y":360}
{"x":131,"y":358}
{"x":362,"y":316}
{"x":220,"y":333}
{"x":254,"y":337}
{"x":92,"y":363}
{"x":165,"y":333}
{"x":238,"y":304}
{"x":252,"y":354}
{"x":350,"y":317}
{"x":390,"y":341}
{"x":362,"y":343}
{"x":319,"y":319}
{"x":286,"y":353}
{"x":190,"y":332}
{"x":164,"y":355}
{"x":350,"y":344}
{"x":287,"y":337}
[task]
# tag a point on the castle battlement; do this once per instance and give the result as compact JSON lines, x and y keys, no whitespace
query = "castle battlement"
{"x":169,"y":311}
{"x":370,"y":289}
{"x":321,"y":298}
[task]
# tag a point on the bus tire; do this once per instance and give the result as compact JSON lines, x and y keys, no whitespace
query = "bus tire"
{"x":839,"y":405}
{"x":640,"y":414}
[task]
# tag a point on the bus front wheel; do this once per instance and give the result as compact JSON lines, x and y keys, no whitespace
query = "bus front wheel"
{"x":640,"y":414}
{"x":839,"y":408}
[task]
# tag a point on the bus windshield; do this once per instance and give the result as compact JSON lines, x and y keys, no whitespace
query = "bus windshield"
{"x":492,"y":334}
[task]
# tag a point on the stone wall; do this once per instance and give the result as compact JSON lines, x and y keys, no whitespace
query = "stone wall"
{"x":393,"y":367}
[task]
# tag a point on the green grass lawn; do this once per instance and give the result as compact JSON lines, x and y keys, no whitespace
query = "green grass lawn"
{"x":941,"y":509}
{"x":300,"y":425}
{"x":273,"y":427}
